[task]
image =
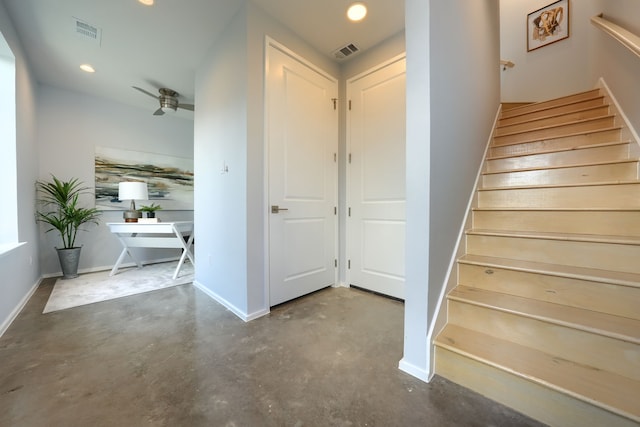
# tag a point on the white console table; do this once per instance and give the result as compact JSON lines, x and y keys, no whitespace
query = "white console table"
{"x":154,"y":235}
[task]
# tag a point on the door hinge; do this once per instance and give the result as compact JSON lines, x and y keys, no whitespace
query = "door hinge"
{"x":335,"y":210}
{"x":335,"y":101}
{"x":349,"y":157}
{"x":349,"y":264}
{"x":335,"y":263}
{"x":335,"y":157}
{"x":349,"y":105}
{"x":349,"y":211}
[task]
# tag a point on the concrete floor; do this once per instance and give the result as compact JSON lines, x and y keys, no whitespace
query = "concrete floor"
{"x":174,"y":357}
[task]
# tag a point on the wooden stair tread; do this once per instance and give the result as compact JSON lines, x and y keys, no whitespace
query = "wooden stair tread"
{"x":551,"y":167}
{"x":550,"y":116}
{"x":606,"y":390}
{"x":559,"y":125}
{"x":550,"y":103}
{"x":550,"y":109}
{"x":564,"y":185}
{"x":595,"y":238}
{"x":581,"y":273}
{"x":557,"y":150}
{"x":617,"y":327}
{"x":536,"y":139}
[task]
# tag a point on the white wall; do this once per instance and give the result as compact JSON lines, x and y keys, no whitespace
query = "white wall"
{"x":220,"y":137}
{"x":70,"y":126}
{"x":19,"y":267}
{"x":231,"y":210}
{"x":452,"y":100}
{"x":618,"y":66}
{"x":554,"y":70}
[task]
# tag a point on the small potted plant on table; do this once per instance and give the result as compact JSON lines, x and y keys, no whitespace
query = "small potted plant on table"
{"x":150,"y":209}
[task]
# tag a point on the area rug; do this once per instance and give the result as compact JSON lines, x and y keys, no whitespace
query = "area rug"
{"x":99,"y":286}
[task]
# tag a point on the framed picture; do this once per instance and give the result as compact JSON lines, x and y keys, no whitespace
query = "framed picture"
{"x":548,"y":25}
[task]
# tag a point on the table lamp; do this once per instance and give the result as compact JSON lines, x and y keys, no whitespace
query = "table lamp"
{"x":132,"y":191}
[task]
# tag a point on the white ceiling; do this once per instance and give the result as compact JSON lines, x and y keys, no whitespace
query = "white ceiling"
{"x":161,"y":46}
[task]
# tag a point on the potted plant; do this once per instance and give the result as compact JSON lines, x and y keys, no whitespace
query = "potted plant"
{"x":150,"y":209}
{"x":61,"y":211}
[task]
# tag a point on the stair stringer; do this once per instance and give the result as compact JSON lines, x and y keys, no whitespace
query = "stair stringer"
{"x":451,"y":279}
{"x":628,"y":131}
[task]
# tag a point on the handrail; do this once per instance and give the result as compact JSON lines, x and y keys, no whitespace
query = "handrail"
{"x":627,"y":38}
{"x":506,"y":64}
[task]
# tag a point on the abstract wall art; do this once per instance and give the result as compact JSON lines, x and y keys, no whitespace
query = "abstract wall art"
{"x":548,"y":25}
{"x":169,"y":178}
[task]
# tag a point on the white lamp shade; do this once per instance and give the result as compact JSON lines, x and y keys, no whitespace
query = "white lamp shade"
{"x":132,"y":191}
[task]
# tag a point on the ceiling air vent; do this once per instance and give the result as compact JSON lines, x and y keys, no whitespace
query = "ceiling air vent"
{"x":87,"y":31}
{"x":345,"y":51}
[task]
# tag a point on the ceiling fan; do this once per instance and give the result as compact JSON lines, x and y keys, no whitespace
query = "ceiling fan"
{"x":168,"y":99}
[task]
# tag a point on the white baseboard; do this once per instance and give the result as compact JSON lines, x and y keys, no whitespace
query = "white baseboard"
{"x":232,"y":308}
{"x":415,"y":371}
{"x":16,"y":311}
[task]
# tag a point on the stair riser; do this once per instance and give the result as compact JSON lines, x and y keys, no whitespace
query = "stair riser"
{"x":618,"y":152}
{"x":534,"y":400}
{"x":555,"y":132}
{"x":591,"y":295}
{"x":608,"y":223}
{"x":552,"y":103}
{"x":574,"y":175}
{"x":565,"y":343}
{"x":606,"y":256}
{"x":562,"y":143}
{"x":621,"y":196}
{"x":554,"y":120}
{"x":563,"y":109}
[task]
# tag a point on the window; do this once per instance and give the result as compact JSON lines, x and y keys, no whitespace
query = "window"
{"x":8,"y":159}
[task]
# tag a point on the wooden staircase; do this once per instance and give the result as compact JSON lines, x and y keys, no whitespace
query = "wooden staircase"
{"x":545,"y":317}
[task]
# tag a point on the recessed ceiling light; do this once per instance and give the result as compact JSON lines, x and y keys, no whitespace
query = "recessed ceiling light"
{"x":357,"y":11}
{"x":146,"y":2}
{"x":88,"y":68}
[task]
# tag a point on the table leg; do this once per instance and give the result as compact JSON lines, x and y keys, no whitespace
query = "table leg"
{"x":186,"y":252}
{"x":124,"y":253}
{"x":114,"y":270}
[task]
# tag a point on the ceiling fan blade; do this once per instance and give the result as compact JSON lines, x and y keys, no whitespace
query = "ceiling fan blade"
{"x":189,"y":107}
{"x":159,"y":112}
{"x":145,"y":92}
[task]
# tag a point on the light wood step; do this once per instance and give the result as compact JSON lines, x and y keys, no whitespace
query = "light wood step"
{"x":555,"y":131}
{"x":517,"y":375}
{"x":571,"y":174}
{"x":548,"y":112}
{"x":544,"y":105}
{"x":615,"y":151}
{"x":581,"y":273}
{"x":617,"y":253}
{"x":608,"y":325}
{"x":560,"y":337}
{"x":568,"y":117}
{"x":605,"y":222}
{"x":576,"y":141}
{"x":510,"y":105}
{"x":590,"y":289}
{"x":589,"y":196}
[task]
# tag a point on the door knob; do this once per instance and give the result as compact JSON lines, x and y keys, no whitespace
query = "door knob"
{"x":276,"y":209}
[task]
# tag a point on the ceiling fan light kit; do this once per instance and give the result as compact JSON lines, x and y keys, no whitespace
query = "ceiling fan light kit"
{"x":168,"y":100}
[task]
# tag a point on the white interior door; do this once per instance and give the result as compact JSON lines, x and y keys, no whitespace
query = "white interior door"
{"x":376,"y":196}
{"x":302,"y":134}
